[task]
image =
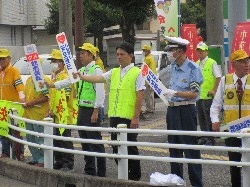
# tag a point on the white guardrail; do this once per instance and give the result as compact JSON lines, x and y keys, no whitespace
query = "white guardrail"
{"x":122,"y":143}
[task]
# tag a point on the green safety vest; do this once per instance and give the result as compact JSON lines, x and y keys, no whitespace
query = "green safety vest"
{"x":122,"y":94}
{"x":86,"y":90}
{"x":208,"y":77}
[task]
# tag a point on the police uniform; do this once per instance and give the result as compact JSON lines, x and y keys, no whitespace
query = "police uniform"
{"x":181,"y":114}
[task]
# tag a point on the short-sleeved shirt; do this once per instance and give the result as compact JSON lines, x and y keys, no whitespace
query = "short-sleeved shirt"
{"x":187,"y":77}
{"x":35,"y":113}
{"x":10,"y":84}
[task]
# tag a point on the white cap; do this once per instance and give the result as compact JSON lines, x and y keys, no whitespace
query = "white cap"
{"x":177,"y":40}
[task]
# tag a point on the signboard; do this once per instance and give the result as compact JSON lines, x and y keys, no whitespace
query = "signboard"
{"x":241,"y":39}
{"x":35,"y":67}
{"x":167,"y":13}
{"x":154,"y":82}
{"x":237,"y":125}
{"x":189,"y":32}
{"x":67,"y":56}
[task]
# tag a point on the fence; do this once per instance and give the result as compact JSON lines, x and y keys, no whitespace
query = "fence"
{"x":122,"y":145}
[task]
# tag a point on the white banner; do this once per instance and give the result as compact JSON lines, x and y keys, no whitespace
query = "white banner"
{"x":35,"y":67}
{"x":67,"y":56}
{"x":237,"y":125}
{"x":154,"y":82}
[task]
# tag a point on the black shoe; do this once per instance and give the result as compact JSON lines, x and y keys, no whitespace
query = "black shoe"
{"x":202,"y":141}
{"x":210,"y":142}
{"x":32,"y":162}
{"x":57,"y":165}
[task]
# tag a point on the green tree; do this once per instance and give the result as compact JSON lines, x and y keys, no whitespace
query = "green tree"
{"x":133,"y":12}
{"x":194,"y":11}
{"x":52,"y":23}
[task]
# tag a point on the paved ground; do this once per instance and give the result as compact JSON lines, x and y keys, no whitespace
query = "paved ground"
{"x":213,"y":175}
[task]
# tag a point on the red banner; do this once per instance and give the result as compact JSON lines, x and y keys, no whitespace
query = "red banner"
{"x":241,"y":40}
{"x":189,"y":32}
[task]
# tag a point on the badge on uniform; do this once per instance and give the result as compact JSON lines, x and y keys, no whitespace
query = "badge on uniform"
{"x":184,"y":80}
{"x":230,"y":95}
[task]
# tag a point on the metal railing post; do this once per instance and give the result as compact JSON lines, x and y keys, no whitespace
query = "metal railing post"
{"x":122,"y":150}
{"x":48,"y":154}
{"x":245,"y":158}
{"x":13,"y":121}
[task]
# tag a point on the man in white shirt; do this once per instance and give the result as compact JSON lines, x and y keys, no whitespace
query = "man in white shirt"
{"x":211,"y":75}
{"x":232,"y":97}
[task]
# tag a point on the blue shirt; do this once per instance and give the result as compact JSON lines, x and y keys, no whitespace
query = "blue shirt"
{"x":188,"y":77}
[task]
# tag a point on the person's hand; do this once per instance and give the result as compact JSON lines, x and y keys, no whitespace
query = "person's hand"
{"x":169,"y":93}
{"x":134,"y":123}
{"x":78,"y":74}
{"x":94,"y":117}
{"x":211,"y":93}
{"x":49,"y":85}
{"x":216,"y":126}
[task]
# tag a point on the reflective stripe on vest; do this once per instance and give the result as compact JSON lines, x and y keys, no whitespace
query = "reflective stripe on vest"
{"x":209,"y":79}
{"x":122,"y":95}
{"x":86,"y":90}
{"x":231,"y":103}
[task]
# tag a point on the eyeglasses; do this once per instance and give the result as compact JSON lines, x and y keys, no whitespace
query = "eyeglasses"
{"x":244,"y":61}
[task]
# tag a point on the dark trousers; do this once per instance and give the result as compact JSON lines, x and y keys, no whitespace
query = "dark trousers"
{"x":234,"y":156}
{"x":134,"y":167}
{"x":84,"y":119}
{"x":5,"y":145}
{"x":184,"y":118}
{"x":203,"y":108}
{"x":63,"y":159}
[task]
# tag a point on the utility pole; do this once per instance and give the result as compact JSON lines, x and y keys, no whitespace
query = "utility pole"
{"x":65,"y":21}
{"x":214,"y":22}
{"x":79,"y":32}
{"x":235,"y":17}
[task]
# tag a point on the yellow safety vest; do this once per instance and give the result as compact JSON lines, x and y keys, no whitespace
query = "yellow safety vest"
{"x":231,"y":103}
{"x":122,"y":95}
{"x":209,"y":78}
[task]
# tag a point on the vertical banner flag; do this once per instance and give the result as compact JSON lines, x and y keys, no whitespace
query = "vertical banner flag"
{"x":167,"y":13}
{"x":225,"y":23}
{"x":189,"y":32}
{"x":67,"y":56}
{"x":241,"y":39}
{"x":154,"y":82}
{"x":35,"y":67}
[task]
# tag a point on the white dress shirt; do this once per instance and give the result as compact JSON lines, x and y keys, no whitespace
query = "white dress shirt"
{"x":217,"y":104}
{"x":99,"y":87}
{"x":140,"y":81}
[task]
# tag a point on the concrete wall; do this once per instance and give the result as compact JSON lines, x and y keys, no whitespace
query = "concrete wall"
{"x":23,"y":12}
{"x":51,"y":178}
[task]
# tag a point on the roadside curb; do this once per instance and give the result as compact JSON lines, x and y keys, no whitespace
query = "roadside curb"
{"x":50,"y":178}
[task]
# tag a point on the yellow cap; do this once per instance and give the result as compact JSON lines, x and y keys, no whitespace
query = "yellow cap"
{"x":202,"y":46}
{"x":56,"y":54}
{"x":238,"y":55}
{"x":146,"y":47}
{"x":97,"y":49}
{"x":4,"y":53}
{"x":89,"y":47}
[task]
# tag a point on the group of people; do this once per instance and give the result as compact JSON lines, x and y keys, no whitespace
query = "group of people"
{"x":193,"y":87}
{"x":200,"y":87}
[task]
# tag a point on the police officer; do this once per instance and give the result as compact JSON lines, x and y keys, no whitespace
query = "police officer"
{"x":212,"y":76}
{"x":186,"y":78}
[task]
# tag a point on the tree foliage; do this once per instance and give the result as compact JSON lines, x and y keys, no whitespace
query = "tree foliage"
{"x":133,"y":12}
{"x":52,"y":23}
{"x":194,"y":11}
